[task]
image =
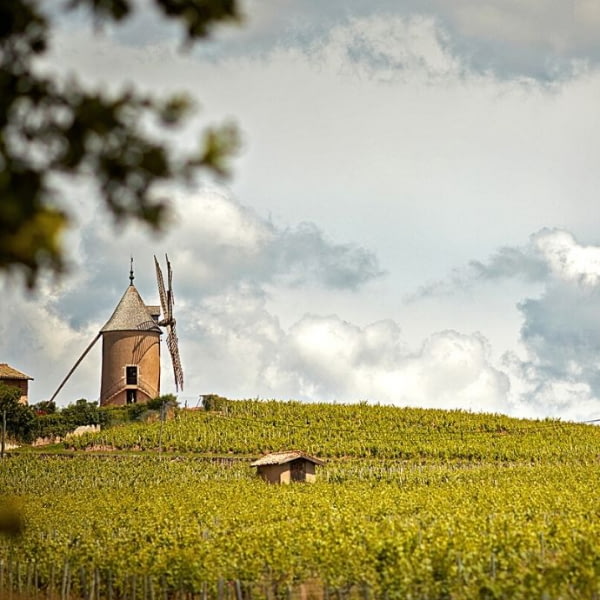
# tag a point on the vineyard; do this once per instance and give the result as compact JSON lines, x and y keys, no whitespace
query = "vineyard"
{"x":411,"y":504}
{"x":253,"y":427}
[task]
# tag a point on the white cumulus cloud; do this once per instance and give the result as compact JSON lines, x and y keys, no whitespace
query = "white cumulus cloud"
{"x":325,"y":358}
{"x":557,"y":371}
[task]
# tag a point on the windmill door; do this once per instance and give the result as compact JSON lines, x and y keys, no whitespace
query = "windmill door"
{"x":298,"y":468}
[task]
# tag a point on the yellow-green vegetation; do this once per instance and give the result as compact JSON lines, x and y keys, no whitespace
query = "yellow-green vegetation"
{"x":252,"y":427}
{"x":424,"y":521}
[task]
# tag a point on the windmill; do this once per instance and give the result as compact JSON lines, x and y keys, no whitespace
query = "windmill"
{"x":131,"y":346}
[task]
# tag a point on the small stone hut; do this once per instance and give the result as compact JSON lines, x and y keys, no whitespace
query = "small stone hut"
{"x":10,"y":376}
{"x":284,"y":467}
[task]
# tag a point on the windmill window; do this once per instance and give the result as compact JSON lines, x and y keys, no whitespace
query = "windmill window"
{"x":131,"y":375}
{"x":131,"y":396}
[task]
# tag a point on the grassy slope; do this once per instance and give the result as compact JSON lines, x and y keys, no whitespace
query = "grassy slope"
{"x":250,"y":428}
{"x":412,"y":503}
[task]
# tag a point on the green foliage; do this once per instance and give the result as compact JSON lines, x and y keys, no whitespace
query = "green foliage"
{"x":82,"y":413}
{"x":135,"y":411}
{"x":411,"y":503}
{"x":117,"y":415}
{"x":355,"y":430}
{"x":394,"y":529}
{"x":51,"y":423}
{"x":59,"y":423}
{"x":51,"y":426}
{"x":9,"y":395}
{"x":166,"y":401}
{"x":45,"y":407}
{"x":214,"y":402}
{"x":197,"y":17}
{"x":19,"y":417}
{"x":51,"y":128}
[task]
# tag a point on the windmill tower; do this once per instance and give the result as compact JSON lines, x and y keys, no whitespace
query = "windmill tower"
{"x":130,"y":351}
{"x":131,"y":346}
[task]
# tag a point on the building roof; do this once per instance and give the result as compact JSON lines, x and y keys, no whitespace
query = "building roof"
{"x":153,"y":309}
{"x":8,"y":372}
{"x":131,"y":314}
{"x":280,"y":458}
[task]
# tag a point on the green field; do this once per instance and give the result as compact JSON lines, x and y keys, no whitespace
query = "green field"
{"x":410,"y":504}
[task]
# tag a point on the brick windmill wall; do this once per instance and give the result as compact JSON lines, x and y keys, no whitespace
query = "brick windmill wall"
{"x":130,"y":352}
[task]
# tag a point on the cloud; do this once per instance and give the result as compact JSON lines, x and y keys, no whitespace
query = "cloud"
{"x":233,"y":345}
{"x":332,"y":359}
{"x":568,"y":260}
{"x":388,"y":48}
{"x":561,"y":337}
{"x":218,"y":242}
{"x":325,"y":358}
{"x":38,"y":340}
{"x":534,"y":38}
{"x":557,"y":373}
{"x":550,"y":254}
{"x":511,"y":262}
{"x":295,"y":254}
{"x":213,"y":243}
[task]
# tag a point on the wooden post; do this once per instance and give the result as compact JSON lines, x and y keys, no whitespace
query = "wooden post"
{"x":162,"y":421}
{"x":3,"y":441}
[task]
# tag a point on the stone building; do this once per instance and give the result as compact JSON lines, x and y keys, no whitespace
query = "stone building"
{"x":10,"y":376}
{"x":285,"y":467}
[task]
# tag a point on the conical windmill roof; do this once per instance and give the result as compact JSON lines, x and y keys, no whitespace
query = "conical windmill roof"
{"x":131,"y":314}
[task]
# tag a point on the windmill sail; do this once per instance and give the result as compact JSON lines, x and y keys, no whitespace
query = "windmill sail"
{"x":170,"y":294}
{"x":161,"y":289}
{"x":173,"y":345}
{"x":167,"y":300}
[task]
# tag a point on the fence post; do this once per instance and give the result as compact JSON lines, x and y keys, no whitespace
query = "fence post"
{"x":50,"y":585}
{"x":36,"y":579}
{"x":3,"y":440}
{"x":238,"y":590}
{"x":10,"y":577}
{"x":163,"y":587}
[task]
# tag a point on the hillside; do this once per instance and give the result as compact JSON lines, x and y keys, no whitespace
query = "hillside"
{"x":253,"y":427}
{"x":411,"y":503}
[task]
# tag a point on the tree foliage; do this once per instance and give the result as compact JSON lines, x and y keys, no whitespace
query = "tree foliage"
{"x":45,"y":407}
{"x":163,"y":402}
{"x":50,"y":128}
{"x":20,"y":418}
{"x":82,"y":413}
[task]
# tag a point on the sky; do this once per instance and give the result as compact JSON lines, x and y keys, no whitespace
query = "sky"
{"x":412,"y":218}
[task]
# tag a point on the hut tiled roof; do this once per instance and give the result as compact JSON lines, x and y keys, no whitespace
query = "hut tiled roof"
{"x":8,"y":372}
{"x":280,"y":458}
{"x":131,"y":314}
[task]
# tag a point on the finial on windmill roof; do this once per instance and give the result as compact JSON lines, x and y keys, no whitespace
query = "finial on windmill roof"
{"x":131,"y":277}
